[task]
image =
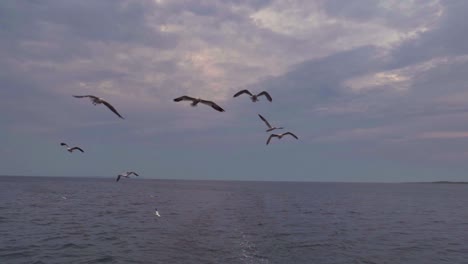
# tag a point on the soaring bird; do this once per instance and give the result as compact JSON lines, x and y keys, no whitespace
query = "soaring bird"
{"x":71,"y":149}
{"x":156,"y":212}
{"x":195,"y":101}
{"x":96,"y":100}
{"x":279,"y":136}
{"x":126,"y":175}
{"x":254,"y":97}
{"x":270,"y":128}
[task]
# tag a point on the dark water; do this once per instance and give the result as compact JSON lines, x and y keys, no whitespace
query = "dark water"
{"x":59,"y":220}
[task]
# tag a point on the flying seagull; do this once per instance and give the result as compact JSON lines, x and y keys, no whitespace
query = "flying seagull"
{"x":270,"y":128}
{"x":71,"y":149}
{"x":126,"y":175}
{"x":195,"y":101}
{"x":279,"y":136}
{"x":254,"y":97}
{"x":96,"y":100}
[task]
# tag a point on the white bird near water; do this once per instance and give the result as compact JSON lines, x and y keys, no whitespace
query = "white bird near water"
{"x":157,"y":213}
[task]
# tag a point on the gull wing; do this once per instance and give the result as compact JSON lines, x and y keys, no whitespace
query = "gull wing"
{"x":184,"y":98}
{"x":264,"y":120}
{"x":270,"y":137}
{"x":132,"y":172}
{"x":243,"y":91}
{"x":64,"y":144}
{"x":289,"y":133}
{"x":77,"y":148}
{"x":267,"y":95}
{"x":111,"y":108}
{"x":118,"y":177}
{"x":212,"y":104}
{"x":83,"y":96}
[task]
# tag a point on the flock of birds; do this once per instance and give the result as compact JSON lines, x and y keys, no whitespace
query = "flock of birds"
{"x":194,"y":102}
{"x":253,"y":97}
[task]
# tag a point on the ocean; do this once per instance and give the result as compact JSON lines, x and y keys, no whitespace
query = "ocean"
{"x":86,"y":220}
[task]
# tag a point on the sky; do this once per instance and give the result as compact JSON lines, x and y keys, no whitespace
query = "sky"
{"x":375,"y":90}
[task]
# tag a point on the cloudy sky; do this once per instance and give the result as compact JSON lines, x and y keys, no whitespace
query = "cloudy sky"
{"x":375,"y":90}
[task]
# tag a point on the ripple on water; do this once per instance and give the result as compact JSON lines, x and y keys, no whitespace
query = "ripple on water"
{"x":71,"y":246}
{"x":18,"y":255}
{"x":103,"y":259}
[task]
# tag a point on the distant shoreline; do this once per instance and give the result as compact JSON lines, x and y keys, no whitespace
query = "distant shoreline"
{"x":438,"y":182}
{"x":448,"y":182}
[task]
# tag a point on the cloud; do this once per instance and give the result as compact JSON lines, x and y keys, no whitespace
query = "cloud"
{"x":379,"y":94}
{"x":150,"y":48}
{"x":444,"y":135}
{"x":444,"y":38}
{"x":404,"y":15}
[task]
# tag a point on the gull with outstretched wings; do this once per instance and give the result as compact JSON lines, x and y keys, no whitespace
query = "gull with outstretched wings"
{"x":279,"y":136}
{"x":254,"y":97}
{"x":195,"y":101}
{"x":71,"y":149}
{"x":96,"y":100}
{"x":270,"y":128}
{"x":126,"y":175}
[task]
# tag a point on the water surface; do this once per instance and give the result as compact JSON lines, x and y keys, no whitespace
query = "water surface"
{"x":82,"y":220}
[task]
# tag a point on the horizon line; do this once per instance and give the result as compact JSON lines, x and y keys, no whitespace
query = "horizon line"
{"x":233,"y":180}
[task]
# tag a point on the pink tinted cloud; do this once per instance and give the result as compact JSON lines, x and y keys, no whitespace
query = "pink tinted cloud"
{"x":444,"y":135}
{"x":360,"y":134}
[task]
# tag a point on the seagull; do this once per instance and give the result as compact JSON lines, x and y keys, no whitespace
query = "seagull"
{"x":126,"y":175}
{"x":270,"y":128}
{"x":71,"y":149}
{"x":157,"y":213}
{"x":279,"y":136}
{"x":254,"y":97}
{"x":195,"y":101}
{"x":96,"y":100}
